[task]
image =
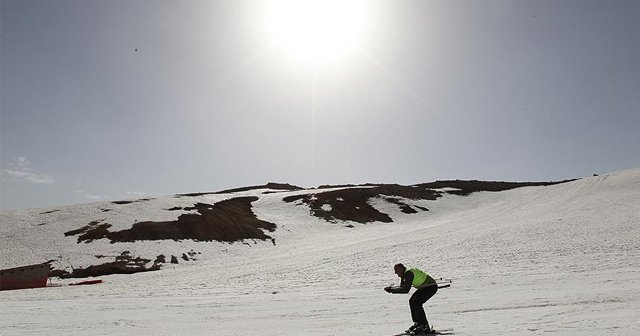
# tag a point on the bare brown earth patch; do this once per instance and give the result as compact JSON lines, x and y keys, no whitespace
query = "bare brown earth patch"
{"x":226,"y":221}
{"x":131,"y":201}
{"x":467,"y":187}
{"x":352,"y":204}
{"x":270,"y":185}
{"x":90,"y":232}
{"x":123,"y":264}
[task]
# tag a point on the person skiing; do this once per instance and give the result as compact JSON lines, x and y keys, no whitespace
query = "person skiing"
{"x":426,"y":287}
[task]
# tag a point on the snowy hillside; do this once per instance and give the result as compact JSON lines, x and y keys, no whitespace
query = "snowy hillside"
{"x":561,"y":259}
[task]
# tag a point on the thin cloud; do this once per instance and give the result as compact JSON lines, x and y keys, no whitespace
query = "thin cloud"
{"x":140,"y":194}
{"x":21,"y":161}
{"x":22,"y":172}
{"x":94,"y":197}
{"x":30,"y":177}
{"x":91,"y":196}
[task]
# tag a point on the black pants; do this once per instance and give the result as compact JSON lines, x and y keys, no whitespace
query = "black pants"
{"x":417,"y":300}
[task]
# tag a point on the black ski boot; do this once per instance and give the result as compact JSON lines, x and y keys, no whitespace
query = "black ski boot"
{"x":422,"y":330}
{"x":412,"y":328}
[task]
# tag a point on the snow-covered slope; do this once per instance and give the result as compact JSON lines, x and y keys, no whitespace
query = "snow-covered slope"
{"x":561,"y":259}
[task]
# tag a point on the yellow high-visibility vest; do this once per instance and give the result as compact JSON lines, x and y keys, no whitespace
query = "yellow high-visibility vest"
{"x":420,"y":278}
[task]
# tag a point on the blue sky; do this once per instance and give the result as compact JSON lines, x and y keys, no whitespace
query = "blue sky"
{"x":104,"y":100}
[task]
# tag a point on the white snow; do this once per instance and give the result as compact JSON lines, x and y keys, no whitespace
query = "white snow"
{"x":556,"y":260}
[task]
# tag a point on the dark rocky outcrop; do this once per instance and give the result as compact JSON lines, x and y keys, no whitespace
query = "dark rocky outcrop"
{"x":352,"y":204}
{"x":226,"y":221}
{"x":467,"y":187}
{"x":270,"y":185}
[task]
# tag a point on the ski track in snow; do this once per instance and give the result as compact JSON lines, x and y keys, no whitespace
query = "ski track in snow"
{"x":555,"y":260}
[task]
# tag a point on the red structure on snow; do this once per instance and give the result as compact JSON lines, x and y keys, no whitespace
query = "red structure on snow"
{"x":31,"y":276}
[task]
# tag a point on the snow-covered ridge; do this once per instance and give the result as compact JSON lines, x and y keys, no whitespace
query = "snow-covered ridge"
{"x":560,"y":259}
{"x":137,"y":235}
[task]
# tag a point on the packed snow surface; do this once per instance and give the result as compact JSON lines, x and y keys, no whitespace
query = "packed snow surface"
{"x":561,"y":259}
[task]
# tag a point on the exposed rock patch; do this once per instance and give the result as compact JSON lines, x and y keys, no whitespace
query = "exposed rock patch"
{"x":90,"y":232}
{"x":123,"y":264}
{"x":352,"y":204}
{"x":226,"y":221}
{"x":467,"y":187}
{"x":133,"y":201}
{"x":404,"y":207}
{"x":270,"y":185}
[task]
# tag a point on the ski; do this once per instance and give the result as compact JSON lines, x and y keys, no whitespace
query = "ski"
{"x":433,"y":332}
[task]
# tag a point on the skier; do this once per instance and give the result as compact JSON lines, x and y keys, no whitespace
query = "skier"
{"x":426,"y":288}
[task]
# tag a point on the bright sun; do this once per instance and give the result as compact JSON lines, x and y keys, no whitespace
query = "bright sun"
{"x":316,"y":31}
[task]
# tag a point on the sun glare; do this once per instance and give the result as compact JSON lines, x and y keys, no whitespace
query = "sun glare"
{"x":316,"y":31}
